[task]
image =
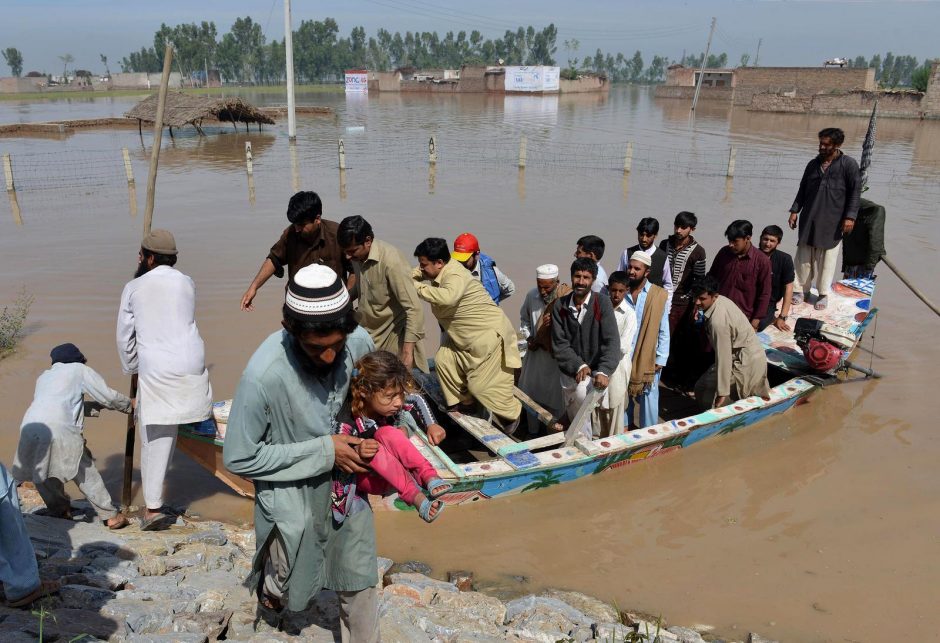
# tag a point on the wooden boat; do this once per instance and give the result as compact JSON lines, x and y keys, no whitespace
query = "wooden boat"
{"x":496,"y":465}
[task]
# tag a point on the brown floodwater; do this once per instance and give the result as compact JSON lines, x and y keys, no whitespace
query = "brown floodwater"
{"x":822,"y":525}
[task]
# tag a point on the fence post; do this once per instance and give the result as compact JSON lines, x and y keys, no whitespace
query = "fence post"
{"x":432,"y":151}
{"x":249,"y":163}
{"x":341,"y":148}
{"x":522,"y":151}
{"x":8,"y":172}
{"x":628,"y":158}
{"x":128,"y":170}
{"x":731,"y":156}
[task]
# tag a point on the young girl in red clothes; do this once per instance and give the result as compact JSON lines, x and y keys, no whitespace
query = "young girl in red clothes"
{"x":383,"y":402}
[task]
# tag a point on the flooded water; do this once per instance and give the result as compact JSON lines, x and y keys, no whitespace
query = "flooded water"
{"x":822,"y":525}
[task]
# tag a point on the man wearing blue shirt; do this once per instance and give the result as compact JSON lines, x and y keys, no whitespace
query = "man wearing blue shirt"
{"x":651,"y":342}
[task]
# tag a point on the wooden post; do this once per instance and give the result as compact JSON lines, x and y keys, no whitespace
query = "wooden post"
{"x":522,"y":152}
{"x":155,"y":152}
{"x":731,"y":156}
{"x":249,"y":162}
{"x":628,"y":158}
{"x":15,"y":207}
{"x":341,"y":150}
{"x":128,"y":170}
{"x":432,"y":151}
{"x":8,"y":172}
{"x":294,"y":171}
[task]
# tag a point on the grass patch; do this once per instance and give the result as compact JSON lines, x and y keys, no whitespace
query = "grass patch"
{"x":12,"y":320}
{"x":211,"y":91}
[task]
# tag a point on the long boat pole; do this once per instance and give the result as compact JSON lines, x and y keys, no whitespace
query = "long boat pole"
{"x":289,"y":55}
{"x":126,"y":496}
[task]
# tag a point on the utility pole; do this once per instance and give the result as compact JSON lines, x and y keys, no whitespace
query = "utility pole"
{"x":757,"y":56}
{"x":701,"y":74}
{"x":289,"y":55}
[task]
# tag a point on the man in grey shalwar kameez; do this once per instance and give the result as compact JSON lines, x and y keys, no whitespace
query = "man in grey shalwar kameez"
{"x":52,"y":449}
{"x":280,"y":434}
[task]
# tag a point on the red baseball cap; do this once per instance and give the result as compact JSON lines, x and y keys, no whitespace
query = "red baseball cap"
{"x":464,"y":247}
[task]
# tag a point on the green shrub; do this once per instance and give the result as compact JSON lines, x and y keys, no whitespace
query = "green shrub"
{"x":12,"y":320}
{"x":921,"y":76}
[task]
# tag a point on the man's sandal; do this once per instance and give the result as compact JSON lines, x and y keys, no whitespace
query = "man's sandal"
{"x":428,"y":506}
{"x":158,"y":522}
{"x":822,"y":303}
{"x":437,"y":487}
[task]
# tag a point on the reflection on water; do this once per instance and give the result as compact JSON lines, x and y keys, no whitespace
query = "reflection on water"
{"x":795,"y":522}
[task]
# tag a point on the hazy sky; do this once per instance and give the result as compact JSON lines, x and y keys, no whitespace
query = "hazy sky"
{"x":794,"y":32}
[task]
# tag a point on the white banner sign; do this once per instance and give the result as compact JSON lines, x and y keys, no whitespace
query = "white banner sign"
{"x":532,"y":79}
{"x":357,"y":81}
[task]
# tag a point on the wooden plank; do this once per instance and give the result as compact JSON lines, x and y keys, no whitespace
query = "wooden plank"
{"x":209,"y":456}
{"x":488,"y":435}
{"x":536,"y":443}
{"x":544,"y":416}
{"x":574,"y":429}
{"x":443,"y":457}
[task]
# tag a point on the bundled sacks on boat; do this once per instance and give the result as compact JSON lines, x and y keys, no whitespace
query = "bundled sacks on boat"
{"x":220,"y":411}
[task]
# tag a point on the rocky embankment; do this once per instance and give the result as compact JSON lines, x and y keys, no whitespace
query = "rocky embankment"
{"x":187,"y":584}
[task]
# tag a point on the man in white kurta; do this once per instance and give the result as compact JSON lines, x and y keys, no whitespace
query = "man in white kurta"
{"x":540,"y":377}
{"x":157,"y":339}
{"x":52,"y":449}
{"x":610,"y":413}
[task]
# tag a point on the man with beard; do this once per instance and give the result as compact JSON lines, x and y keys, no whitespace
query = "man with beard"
{"x":660,"y":270}
{"x":477,"y":358}
{"x":389,"y":307}
{"x":540,"y":375}
{"x":585,"y":340}
{"x":828,"y":199}
{"x":282,"y":434}
{"x":309,"y":239}
{"x":157,"y":339}
{"x":740,"y":368}
{"x":651,"y":342}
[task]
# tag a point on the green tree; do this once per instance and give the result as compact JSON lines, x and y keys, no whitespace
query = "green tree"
{"x":66,"y":59}
{"x":860,"y":61}
{"x":921,"y":76}
{"x":571,"y":49}
{"x":636,"y":67}
{"x":14,"y":59}
{"x":875,"y":63}
{"x":314,"y":44}
{"x":745,"y":59}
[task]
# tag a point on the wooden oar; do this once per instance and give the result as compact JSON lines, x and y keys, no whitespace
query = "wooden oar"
{"x":148,"y":220}
{"x":574,"y":429}
{"x":129,"y":449}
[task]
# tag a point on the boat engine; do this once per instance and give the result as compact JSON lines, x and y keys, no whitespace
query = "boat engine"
{"x":823,"y":346}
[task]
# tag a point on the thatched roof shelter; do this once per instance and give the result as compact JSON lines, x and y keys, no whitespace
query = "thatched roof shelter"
{"x":187,"y":109}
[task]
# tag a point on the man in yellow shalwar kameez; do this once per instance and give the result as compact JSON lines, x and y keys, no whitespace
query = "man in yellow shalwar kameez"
{"x":479,"y":353}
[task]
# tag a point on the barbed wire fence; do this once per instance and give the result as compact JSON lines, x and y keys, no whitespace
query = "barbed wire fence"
{"x":75,"y":173}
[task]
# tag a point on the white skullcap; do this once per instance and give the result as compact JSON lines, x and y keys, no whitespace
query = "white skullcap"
{"x":642,"y":257}
{"x":315,"y":292}
{"x":546,"y":271}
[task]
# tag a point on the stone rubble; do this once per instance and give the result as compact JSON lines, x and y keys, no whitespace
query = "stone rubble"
{"x":187,"y":584}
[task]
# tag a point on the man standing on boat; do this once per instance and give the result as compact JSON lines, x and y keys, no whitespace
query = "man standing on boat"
{"x":660,"y":270}
{"x":740,"y":368}
{"x":309,"y":239}
{"x":482,"y":267}
{"x":540,"y":377}
{"x":479,"y":355}
{"x":281,"y":435}
{"x":157,"y":339}
{"x":585,"y":340}
{"x":650,"y":343}
{"x":389,"y":307}
{"x":743,"y":272}
{"x":781,"y":279}
{"x":828,"y":200}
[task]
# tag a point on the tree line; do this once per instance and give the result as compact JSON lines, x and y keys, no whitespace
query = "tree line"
{"x":245,"y":55}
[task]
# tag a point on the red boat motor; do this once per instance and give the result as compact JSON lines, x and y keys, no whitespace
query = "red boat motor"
{"x":822,"y":347}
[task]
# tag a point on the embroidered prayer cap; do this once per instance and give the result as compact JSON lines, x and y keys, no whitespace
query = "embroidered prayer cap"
{"x":160,"y":242}
{"x":67,"y":354}
{"x":546,"y":271}
{"x":464,"y":247}
{"x":316,"y":293}
{"x":642,"y":257}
